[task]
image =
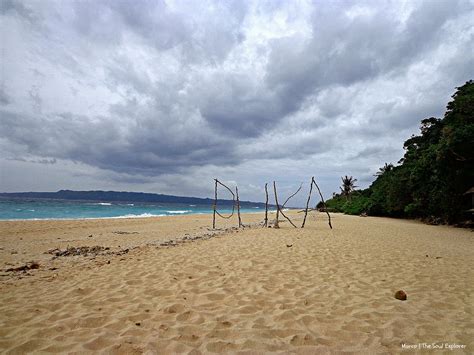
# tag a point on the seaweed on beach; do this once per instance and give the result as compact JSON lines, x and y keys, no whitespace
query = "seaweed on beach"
{"x":190,"y":238}
{"x":28,"y":266}
{"x":85,"y":251}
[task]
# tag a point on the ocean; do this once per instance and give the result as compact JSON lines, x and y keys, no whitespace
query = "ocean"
{"x":37,"y":209}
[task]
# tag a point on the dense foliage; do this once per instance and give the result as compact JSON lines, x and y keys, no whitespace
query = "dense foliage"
{"x":432,"y":177}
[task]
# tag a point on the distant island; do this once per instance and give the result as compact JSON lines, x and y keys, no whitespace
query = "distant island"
{"x":122,"y":196}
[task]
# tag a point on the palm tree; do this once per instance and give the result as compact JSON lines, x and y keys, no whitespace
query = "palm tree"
{"x":348,"y":186}
{"x":384,"y":169}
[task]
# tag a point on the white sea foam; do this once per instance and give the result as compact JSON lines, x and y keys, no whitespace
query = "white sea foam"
{"x":143,"y":215}
{"x":104,"y":204}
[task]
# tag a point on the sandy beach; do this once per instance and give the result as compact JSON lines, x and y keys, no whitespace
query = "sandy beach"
{"x":171,"y":285}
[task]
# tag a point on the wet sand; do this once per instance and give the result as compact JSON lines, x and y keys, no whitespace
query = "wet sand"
{"x":257,"y":290}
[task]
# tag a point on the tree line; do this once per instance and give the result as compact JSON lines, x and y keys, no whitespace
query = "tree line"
{"x":431,"y":180}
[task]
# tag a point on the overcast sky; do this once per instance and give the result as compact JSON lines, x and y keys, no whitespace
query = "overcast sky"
{"x":163,"y":96}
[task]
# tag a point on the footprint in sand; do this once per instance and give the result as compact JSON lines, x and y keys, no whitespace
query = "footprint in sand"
{"x":226,"y":324}
{"x":98,"y":343}
{"x":305,"y":340}
{"x":175,"y":308}
{"x":221,"y":347}
{"x":247,"y":310}
{"x":215,"y":296}
{"x":190,"y":317}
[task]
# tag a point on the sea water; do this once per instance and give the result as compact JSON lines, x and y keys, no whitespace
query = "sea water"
{"x":14,"y":209}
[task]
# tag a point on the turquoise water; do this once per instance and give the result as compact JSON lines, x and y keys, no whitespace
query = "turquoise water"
{"x":11,"y":209}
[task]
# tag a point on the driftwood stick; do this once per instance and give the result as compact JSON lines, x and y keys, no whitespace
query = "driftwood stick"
{"x":276,"y":225}
{"x":228,"y":188}
{"x":307,"y":202}
{"x":283,"y":206}
{"x":214,"y":206}
{"x":238,"y":206}
{"x":266,"y":206}
{"x":226,"y":217}
{"x":279,"y":210}
{"x":233,"y":201}
{"x":324,"y":203}
{"x":289,"y":220}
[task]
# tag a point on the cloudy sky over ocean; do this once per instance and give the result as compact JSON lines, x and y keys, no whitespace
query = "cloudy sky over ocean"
{"x":163,"y":96}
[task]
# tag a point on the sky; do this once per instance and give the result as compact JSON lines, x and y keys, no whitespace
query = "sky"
{"x":165,"y":96}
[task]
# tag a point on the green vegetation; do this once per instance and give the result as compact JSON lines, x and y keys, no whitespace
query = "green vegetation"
{"x":432,"y":177}
{"x":348,"y":186}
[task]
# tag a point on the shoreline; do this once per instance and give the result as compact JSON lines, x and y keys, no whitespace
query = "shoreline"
{"x":143,"y":215}
{"x":101,"y":218}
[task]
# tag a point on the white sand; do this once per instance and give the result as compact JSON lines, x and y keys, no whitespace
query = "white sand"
{"x":332,"y":290}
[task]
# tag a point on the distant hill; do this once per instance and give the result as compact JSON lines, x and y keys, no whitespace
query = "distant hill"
{"x":116,"y":196}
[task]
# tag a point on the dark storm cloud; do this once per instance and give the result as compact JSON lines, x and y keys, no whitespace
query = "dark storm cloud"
{"x":38,"y":161}
{"x":203,"y":32}
{"x":153,"y":88}
{"x":149,"y":149}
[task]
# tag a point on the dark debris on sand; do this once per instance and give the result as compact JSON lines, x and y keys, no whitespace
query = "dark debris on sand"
{"x":28,"y":266}
{"x":85,"y":251}
{"x":189,"y":238}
